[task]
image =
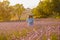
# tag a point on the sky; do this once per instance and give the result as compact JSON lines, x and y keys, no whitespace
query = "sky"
{"x":26,"y":3}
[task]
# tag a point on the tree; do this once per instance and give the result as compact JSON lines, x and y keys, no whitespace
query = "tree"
{"x":4,"y":15}
{"x":44,"y":9}
{"x":8,"y":12}
{"x":48,"y":8}
{"x":19,"y":9}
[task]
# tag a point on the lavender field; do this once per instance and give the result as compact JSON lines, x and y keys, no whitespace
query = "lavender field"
{"x":43,"y":29}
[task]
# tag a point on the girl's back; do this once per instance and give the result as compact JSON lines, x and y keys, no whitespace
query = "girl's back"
{"x":30,"y":20}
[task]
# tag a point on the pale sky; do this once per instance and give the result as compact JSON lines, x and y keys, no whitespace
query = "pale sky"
{"x":26,"y":3}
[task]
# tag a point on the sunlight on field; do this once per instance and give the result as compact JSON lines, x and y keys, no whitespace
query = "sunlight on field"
{"x":14,"y":35}
{"x":44,"y":37}
{"x":26,"y":33}
{"x":54,"y":36}
{"x":43,"y":29}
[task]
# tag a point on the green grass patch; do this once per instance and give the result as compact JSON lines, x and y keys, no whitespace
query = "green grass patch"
{"x":54,"y":36}
{"x":44,"y":37}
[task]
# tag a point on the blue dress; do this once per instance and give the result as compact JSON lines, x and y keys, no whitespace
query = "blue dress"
{"x":30,"y":21}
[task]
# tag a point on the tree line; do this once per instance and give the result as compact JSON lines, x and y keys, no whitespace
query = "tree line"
{"x":47,"y":9}
{"x":8,"y":13}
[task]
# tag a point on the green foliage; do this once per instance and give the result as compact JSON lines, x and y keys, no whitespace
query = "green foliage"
{"x":7,"y":12}
{"x":47,"y":8}
{"x":3,"y":37}
{"x":24,"y":32}
{"x":17,"y":34}
{"x":14,"y":34}
{"x":44,"y":37}
{"x":54,"y":36}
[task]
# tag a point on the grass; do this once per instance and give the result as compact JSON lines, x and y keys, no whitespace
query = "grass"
{"x":54,"y":36}
{"x":44,"y":37}
{"x":3,"y":37}
{"x":14,"y":35}
{"x":23,"y":33}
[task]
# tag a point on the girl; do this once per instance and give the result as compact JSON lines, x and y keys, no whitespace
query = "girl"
{"x":30,"y":20}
